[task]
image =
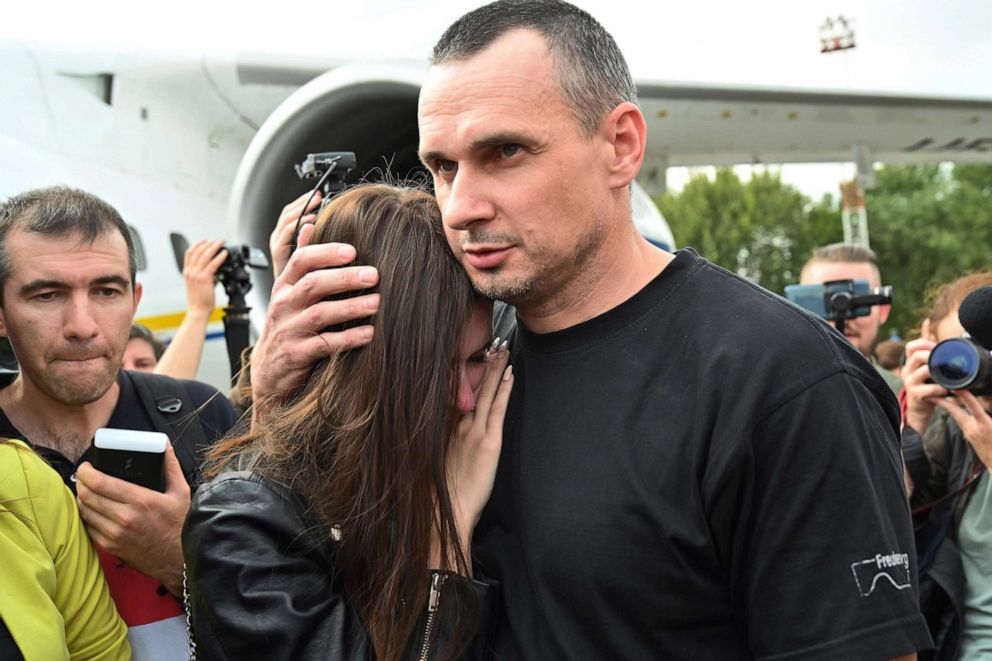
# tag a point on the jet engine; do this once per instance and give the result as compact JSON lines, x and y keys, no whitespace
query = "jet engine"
{"x":370,"y":109}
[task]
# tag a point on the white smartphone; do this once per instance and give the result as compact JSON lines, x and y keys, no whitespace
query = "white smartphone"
{"x":135,"y":456}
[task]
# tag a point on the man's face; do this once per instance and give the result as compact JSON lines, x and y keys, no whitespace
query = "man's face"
{"x":139,"y":356}
{"x":860,"y":331}
{"x":522,"y":190}
{"x":67,"y":309}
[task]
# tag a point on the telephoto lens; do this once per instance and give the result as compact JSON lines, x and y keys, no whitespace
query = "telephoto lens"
{"x":961,"y":364}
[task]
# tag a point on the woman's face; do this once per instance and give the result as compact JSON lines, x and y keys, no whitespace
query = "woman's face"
{"x":947,"y":327}
{"x":472,"y":352}
{"x":139,"y":356}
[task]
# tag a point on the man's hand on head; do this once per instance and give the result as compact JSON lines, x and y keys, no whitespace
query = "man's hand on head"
{"x":293,"y":337}
{"x":140,"y":526}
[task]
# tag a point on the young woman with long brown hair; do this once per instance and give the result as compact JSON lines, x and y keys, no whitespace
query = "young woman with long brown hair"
{"x":340,"y":526}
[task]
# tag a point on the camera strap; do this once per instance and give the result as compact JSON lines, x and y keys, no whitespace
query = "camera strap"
{"x":975,"y":474}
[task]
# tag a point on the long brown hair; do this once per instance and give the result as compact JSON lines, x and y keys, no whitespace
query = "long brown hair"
{"x":365,"y":439}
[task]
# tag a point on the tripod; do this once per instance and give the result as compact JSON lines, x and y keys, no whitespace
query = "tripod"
{"x":237,"y":283}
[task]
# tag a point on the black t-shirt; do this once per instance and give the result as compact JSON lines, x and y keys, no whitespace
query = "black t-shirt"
{"x":704,"y":471}
{"x":9,"y":651}
{"x":214,"y":411}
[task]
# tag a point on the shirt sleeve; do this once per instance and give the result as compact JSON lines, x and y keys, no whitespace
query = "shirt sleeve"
{"x":93,"y":629}
{"x":826,"y":567}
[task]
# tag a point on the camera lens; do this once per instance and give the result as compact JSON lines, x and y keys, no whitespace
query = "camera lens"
{"x":956,"y":363}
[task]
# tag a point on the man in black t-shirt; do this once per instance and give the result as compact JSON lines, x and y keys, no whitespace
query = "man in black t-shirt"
{"x":67,"y":298}
{"x":691,"y":467}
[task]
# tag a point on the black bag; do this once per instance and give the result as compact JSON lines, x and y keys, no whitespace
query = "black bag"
{"x":173,"y":413}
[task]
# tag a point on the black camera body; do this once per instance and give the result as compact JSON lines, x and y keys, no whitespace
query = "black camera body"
{"x":961,"y":363}
{"x":965,"y":363}
{"x":233,"y":272}
{"x":839,"y":299}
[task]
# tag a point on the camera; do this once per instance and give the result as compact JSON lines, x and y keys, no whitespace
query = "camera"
{"x":961,"y":363}
{"x":233,"y":274}
{"x":839,"y":300}
{"x":330,"y":169}
{"x":238,"y":257}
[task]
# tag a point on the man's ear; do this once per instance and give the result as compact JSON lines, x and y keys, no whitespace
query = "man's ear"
{"x":3,"y":322}
{"x":138,"y":290}
{"x":925,"y":331}
{"x":627,"y":133}
{"x":883,"y":313}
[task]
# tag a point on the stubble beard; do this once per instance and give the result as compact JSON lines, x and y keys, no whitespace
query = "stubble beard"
{"x":546,"y":280}
{"x":75,"y":392}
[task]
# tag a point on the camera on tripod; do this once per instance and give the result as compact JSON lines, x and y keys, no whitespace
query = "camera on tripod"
{"x":233,"y":272}
{"x":839,"y":300}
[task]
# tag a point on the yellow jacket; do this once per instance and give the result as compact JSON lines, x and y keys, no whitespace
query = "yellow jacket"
{"x":53,"y":596}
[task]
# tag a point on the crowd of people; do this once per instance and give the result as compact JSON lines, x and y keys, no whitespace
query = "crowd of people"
{"x":487,"y":421}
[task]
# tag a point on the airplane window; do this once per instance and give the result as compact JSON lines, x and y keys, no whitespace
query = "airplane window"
{"x":139,"y":248}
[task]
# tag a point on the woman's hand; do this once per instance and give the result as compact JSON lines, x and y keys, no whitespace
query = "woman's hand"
{"x":476,"y":444}
{"x":281,"y":238}
{"x":922,"y":396}
{"x":976,"y":424}
{"x":200,"y":264}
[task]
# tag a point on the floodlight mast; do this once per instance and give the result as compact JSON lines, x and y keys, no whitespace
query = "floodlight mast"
{"x":837,"y":34}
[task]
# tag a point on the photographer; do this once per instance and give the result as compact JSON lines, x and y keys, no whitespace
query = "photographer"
{"x":181,"y":359}
{"x":845,"y":261}
{"x":947,"y":446}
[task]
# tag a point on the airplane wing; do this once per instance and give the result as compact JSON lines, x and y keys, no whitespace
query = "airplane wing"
{"x":697,"y":124}
{"x":173,"y":140}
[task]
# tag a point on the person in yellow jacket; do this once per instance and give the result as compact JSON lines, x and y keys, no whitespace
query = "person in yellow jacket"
{"x":54,"y":601}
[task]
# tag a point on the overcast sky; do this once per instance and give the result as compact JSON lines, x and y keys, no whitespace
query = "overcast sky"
{"x":907,"y":46}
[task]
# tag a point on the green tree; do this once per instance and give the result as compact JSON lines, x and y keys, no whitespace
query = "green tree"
{"x":928,"y":224}
{"x":762,"y":229}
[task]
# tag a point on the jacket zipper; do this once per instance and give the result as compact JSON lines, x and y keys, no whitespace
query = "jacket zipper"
{"x":437,"y":579}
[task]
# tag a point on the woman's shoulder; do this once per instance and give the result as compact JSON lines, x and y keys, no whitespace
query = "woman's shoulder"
{"x":247,"y":490}
{"x":240,"y":512}
{"x":24,"y":473}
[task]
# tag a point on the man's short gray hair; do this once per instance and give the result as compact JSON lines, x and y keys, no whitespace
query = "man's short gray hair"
{"x":60,"y":211}
{"x":591,"y":72}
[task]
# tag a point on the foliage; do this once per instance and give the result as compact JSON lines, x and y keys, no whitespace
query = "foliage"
{"x":927,"y":223}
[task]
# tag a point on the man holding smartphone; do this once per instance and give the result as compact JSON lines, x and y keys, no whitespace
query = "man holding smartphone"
{"x":847,"y":261}
{"x":68,"y":295}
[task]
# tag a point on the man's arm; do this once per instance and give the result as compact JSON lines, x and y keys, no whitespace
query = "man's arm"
{"x":828,"y":564}
{"x":181,"y":359}
{"x":140,"y":526}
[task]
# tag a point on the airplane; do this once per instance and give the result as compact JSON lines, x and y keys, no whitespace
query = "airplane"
{"x":204,"y":146}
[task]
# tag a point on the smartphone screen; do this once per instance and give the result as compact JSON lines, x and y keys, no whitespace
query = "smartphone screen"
{"x":814,"y":298}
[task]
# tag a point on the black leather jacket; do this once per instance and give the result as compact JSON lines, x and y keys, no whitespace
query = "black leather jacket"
{"x":262,"y":585}
{"x":939,"y":464}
